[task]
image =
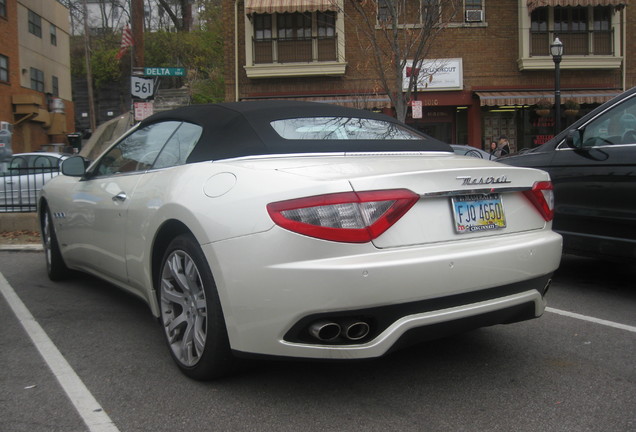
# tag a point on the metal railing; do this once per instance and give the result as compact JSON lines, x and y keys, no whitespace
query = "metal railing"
{"x":19,"y":187}
{"x":592,"y":42}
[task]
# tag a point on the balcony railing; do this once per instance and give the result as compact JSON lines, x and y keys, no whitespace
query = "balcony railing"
{"x":575,"y":43}
{"x":305,"y":50}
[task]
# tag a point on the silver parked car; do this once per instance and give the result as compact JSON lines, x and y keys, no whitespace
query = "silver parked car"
{"x":301,"y":230}
{"x":22,"y":177}
{"x":465,"y":150}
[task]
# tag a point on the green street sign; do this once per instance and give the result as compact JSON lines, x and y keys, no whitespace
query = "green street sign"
{"x":164,"y":71}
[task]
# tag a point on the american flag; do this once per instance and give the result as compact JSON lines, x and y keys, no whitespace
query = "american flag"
{"x":126,"y":42}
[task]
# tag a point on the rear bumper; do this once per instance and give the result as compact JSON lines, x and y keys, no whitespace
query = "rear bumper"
{"x":417,"y":328}
{"x":434,"y":289}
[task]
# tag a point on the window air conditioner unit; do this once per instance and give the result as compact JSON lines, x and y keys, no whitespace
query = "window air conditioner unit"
{"x":474,"y":15}
{"x":6,"y":126}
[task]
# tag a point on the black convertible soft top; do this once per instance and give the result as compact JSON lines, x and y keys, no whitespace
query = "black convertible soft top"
{"x":237,"y":129}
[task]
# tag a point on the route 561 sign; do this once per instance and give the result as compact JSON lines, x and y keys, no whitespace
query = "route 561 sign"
{"x":143,"y":88}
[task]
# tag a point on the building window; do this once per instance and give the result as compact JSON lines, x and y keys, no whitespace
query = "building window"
{"x":35,"y":24}
{"x":53,"y":34}
{"x":409,"y":12}
{"x":3,"y":8}
{"x":55,"y":86}
{"x":37,"y":80}
{"x":4,"y":68}
{"x":584,"y":30}
{"x":294,"y":37}
{"x":473,"y":11}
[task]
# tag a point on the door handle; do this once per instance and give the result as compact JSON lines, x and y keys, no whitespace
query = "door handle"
{"x":121,"y":197}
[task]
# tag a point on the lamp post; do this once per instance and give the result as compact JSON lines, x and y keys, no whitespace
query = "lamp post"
{"x":556,"y":49}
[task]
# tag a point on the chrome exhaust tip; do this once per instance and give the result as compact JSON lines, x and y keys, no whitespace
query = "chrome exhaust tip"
{"x":356,"y":330}
{"x":325,"y":330}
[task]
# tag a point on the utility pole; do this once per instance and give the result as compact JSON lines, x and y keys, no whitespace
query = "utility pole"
{"x":89,"y":74}
{"x":137,"y":21}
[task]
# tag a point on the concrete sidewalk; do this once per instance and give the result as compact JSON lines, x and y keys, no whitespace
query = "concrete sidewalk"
{"x":30,"y":247}
{"x":19,"y":222}
{"x":10,"y":222}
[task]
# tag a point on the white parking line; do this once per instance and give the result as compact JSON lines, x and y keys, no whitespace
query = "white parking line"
{"x":85,"y":404}
{"x":592,"y":319}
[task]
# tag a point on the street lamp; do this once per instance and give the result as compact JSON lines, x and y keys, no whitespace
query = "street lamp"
{"x":556,"y":49}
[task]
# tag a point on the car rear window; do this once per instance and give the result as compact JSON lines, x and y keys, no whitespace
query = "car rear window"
{"x":341,"y":128}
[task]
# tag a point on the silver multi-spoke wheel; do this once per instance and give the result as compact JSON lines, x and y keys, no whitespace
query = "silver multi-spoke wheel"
{"x":183,"y":308}
{"x":46,"y":238}
{"x":191,"y":312}
{"x":55,"y":266}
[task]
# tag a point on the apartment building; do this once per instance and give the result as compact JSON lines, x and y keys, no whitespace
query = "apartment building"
{"x":35,"y":74}
{"x":495,"y":58}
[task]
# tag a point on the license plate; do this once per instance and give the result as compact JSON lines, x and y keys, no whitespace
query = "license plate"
{"x":475,"y":213}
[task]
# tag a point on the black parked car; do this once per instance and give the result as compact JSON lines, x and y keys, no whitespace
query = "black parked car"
{"x":593,"y":168}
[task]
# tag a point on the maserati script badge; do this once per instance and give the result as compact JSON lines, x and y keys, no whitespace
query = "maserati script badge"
{"x":470,"y":181}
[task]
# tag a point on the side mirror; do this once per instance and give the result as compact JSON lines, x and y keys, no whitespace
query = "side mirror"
{"x":75,"y":166}
{"x":573,"y":139}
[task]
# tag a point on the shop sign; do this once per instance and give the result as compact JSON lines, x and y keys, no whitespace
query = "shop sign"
{"x":437,"y":74}
{"x":416,"y":109}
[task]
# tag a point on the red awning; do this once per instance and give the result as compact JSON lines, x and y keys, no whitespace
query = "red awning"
{"x":289,"y":6}
{"x":512,"y":98}
{"x":533,"y":4}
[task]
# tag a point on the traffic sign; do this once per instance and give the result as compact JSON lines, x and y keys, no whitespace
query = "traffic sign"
{"x":143,"y":110}
{"x":143,"y":88}
{"x":164,"y":71}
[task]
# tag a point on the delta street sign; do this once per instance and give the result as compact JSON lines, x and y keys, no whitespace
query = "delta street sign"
{"x":143,"y":88}
{"x":164,"y":71}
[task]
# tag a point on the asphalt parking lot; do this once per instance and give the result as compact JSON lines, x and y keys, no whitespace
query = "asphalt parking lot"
{"x":99,"y":363}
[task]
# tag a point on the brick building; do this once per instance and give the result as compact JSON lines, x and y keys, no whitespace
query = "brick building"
{"x":35,"y":74}
{"x":497,"y":54}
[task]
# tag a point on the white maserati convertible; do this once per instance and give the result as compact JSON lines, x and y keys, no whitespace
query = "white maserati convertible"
{"x":303,"y":230}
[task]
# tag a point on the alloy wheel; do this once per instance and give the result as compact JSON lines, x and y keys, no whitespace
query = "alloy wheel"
{"x":183,"y":308}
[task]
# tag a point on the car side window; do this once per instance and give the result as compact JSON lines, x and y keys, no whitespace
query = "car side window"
{"x":179,"y":146}
{"x":138,"y":151}
{"x":45,"y":162}
{"x":615,"y":126}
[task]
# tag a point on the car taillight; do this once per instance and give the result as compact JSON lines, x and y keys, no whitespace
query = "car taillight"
{"x":542,"y":196}
{"x":352,"y":217}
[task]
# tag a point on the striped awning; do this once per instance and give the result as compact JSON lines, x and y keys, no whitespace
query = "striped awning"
{"x":351,"y":101}
{"x":290,"y":6}
{"x":533,"y":4}
{"x":512,"y":98}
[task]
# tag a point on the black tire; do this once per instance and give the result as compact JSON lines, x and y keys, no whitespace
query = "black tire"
{"x":190,"y":312}
{"x":55,"y":266}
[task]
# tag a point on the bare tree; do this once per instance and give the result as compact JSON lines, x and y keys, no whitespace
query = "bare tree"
{"x":397,"y":33}
{"x":180,"y":13}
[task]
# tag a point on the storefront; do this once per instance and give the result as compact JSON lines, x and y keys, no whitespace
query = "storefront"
{"x":522,"y":117}
{"x":445,"y":115}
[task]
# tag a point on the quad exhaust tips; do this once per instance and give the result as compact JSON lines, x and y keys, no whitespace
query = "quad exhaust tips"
{"x":329,"y":331}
